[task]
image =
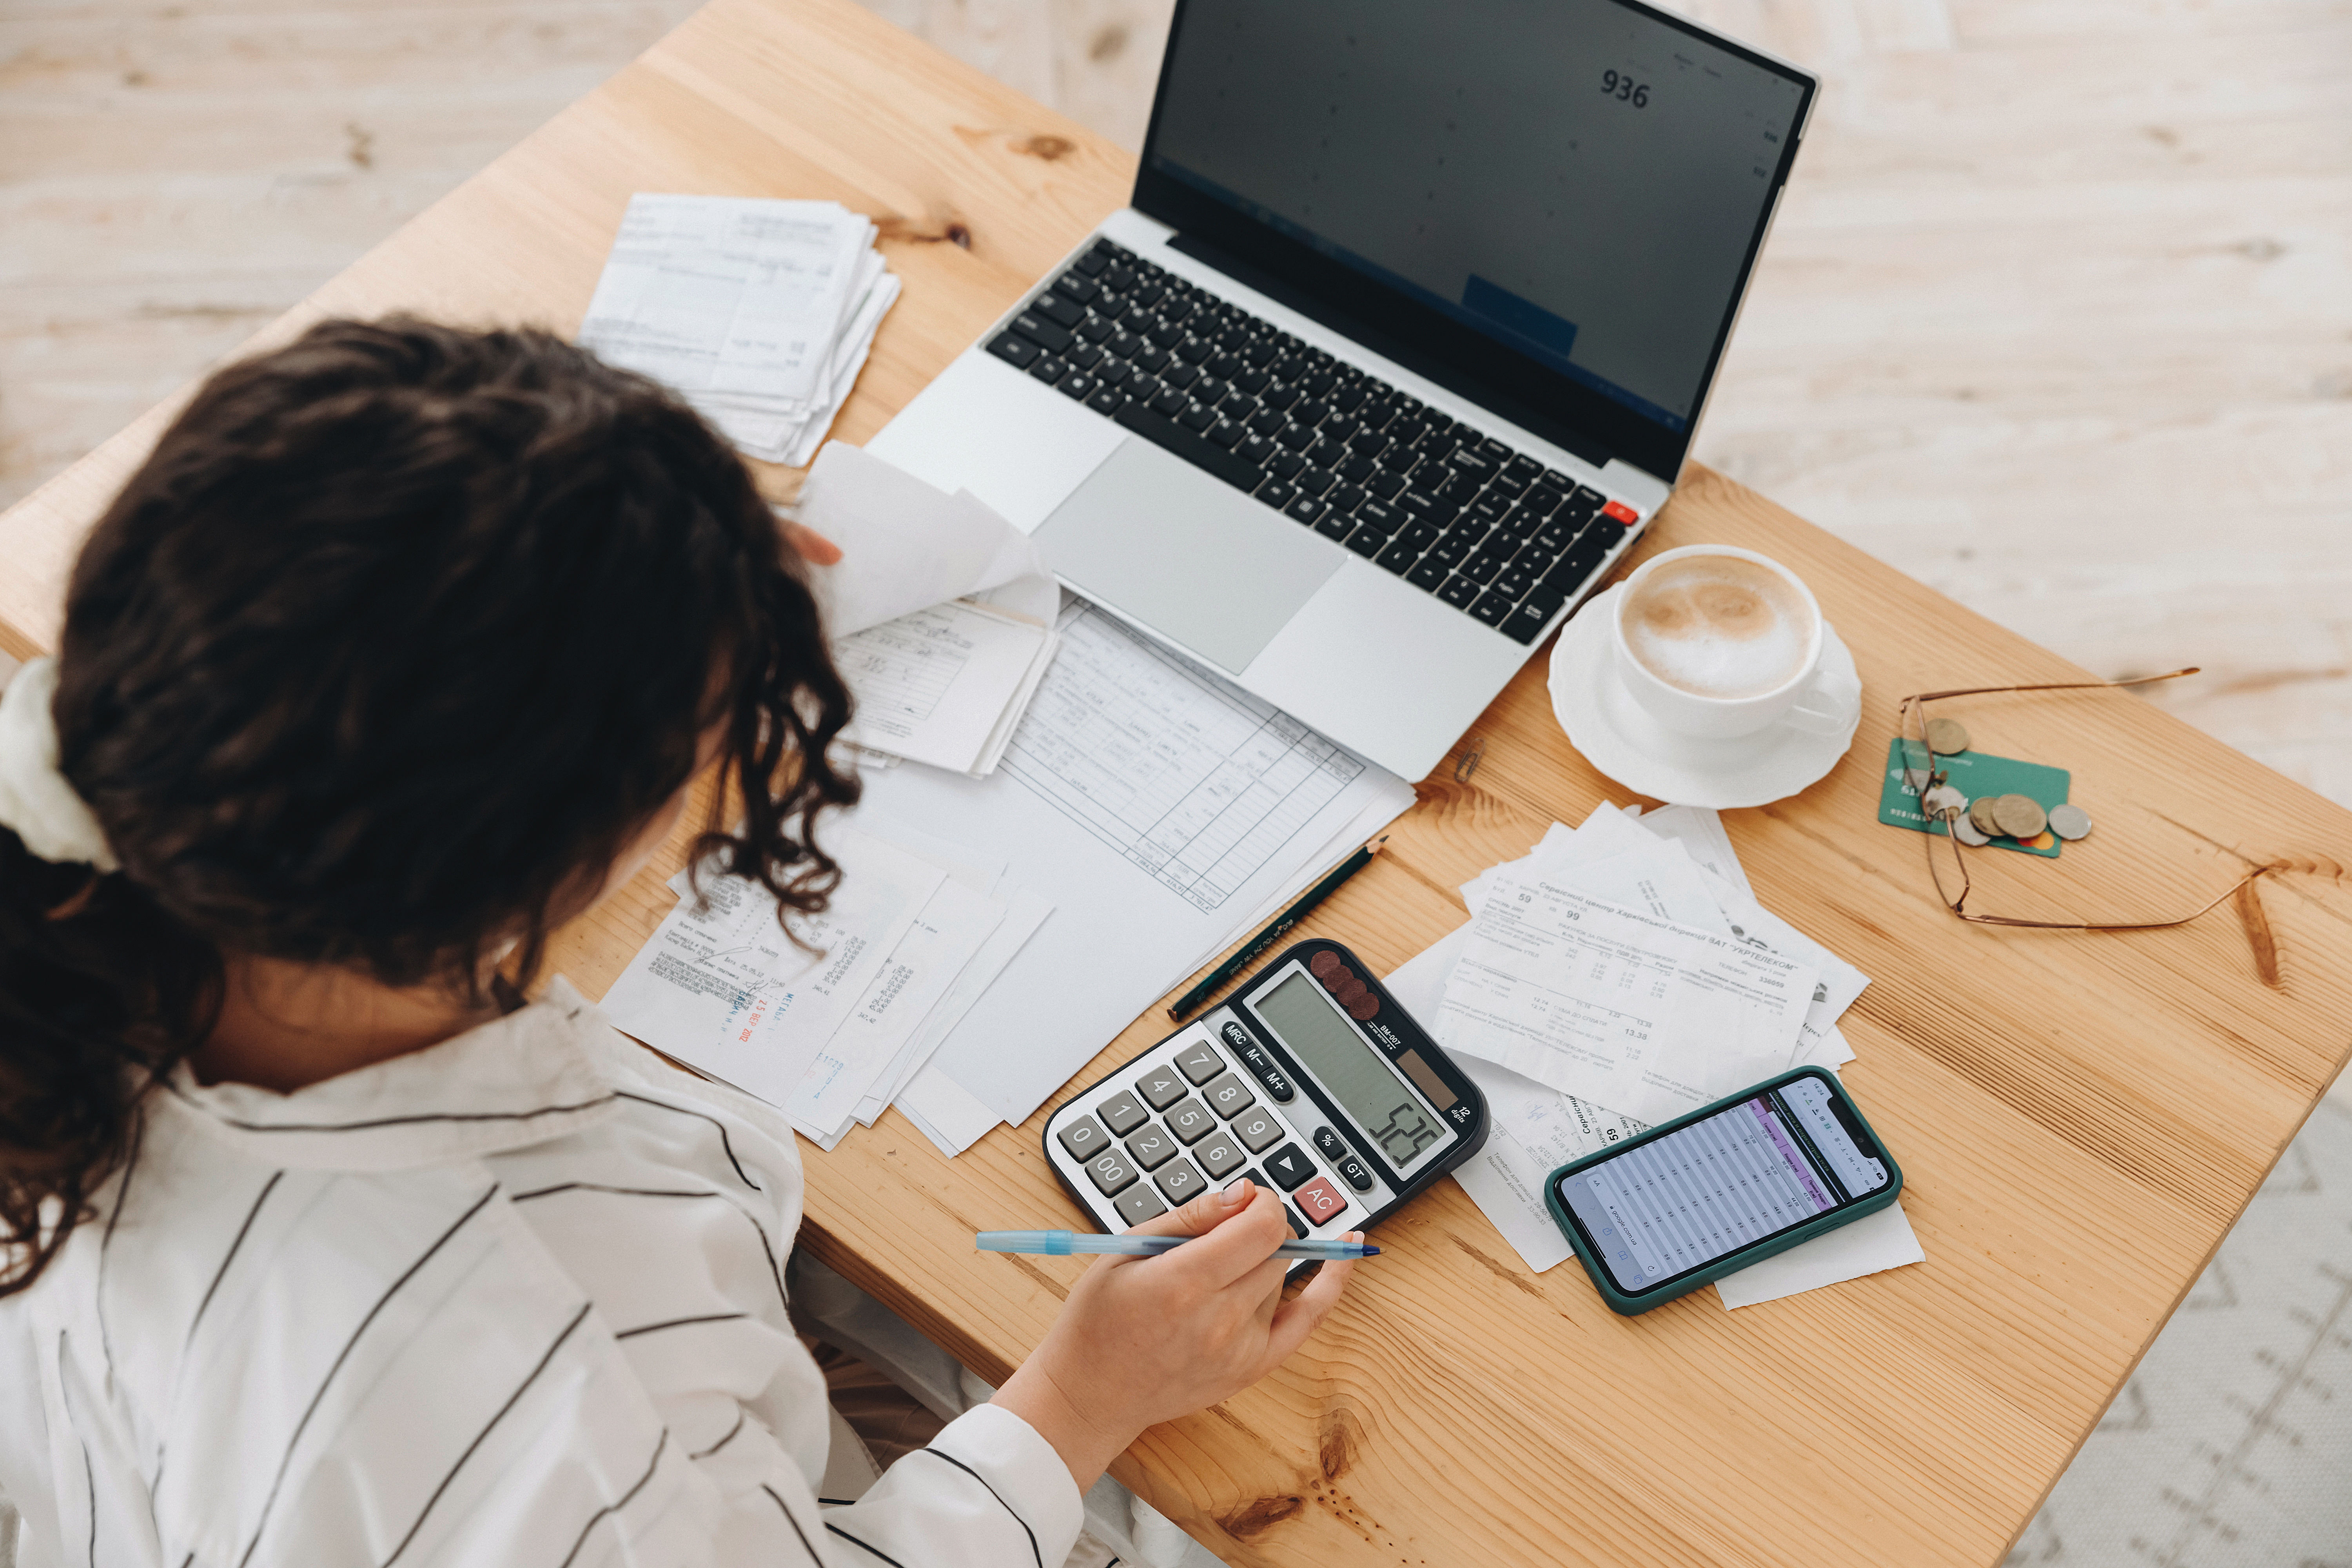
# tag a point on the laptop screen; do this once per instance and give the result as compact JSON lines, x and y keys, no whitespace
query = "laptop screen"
{"x":1581,"y":182}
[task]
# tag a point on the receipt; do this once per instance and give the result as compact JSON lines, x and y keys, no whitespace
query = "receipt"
{"x":1600,"y":857}
{"x":720,"y":987}
{"x":1699,"y":831}
{"x":1619,"y":1007}
{"x":906,"y":546}
{"x":1531,"y":1132}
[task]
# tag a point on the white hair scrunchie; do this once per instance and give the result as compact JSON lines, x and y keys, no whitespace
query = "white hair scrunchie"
{"x":34,"y":798}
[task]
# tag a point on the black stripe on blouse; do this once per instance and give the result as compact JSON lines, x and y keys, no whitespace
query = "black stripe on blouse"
{"x":89,"y":1471}
{"x":520,"y":1390}
{"x":794,"y":1522}
{"x":740,"y":1413}
{"x":422,"y":1116}
{"x":612,"y":1508}
{"x":1007,"y":1507}
{"x":682,"y":1111}
{"x":680,"y":1323}
{"x":774,"y":1271}
{"x":222,"y":1272}
{"x":106,"y":1241}
{"x":861,"y":1545}
{"x":325,"y":1383}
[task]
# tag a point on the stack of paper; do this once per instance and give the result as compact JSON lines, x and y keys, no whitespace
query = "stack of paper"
{"x":1166,"y":813}
{"x":1621,"y":974}
{"x":761,"y":312}
{"x":941,"y":611}
{"x":833,"y":1022}
{"x":1155,"y":811}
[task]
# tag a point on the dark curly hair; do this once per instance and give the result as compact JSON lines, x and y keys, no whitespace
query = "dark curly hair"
{"x":397,"y":642}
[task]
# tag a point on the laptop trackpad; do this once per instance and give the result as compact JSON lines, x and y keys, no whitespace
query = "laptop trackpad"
{"x":1188,"y":555}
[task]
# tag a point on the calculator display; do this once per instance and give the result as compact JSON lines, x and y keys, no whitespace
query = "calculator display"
{"x":1667,"y":1205}
{"x":1357,"y":1077}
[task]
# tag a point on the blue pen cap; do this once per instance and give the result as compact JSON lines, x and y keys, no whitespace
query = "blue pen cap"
{"x":1054,"y":1243}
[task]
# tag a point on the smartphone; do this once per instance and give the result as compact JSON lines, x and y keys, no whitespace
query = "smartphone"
{"x":1706,"y":1195}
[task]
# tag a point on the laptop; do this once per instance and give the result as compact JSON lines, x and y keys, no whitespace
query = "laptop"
{"x":1400,"y":345}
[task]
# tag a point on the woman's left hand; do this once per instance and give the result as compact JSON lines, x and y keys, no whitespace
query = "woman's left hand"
{"x":814,"y":547}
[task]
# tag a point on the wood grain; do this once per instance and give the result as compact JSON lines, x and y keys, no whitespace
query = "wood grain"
{"x":2081,"y":1117}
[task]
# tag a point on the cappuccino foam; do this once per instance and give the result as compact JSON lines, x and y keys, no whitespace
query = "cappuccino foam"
{"x":1718,"y":625}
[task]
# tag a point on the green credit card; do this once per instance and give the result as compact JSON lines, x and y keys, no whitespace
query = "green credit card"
{"x":1973,"y":773}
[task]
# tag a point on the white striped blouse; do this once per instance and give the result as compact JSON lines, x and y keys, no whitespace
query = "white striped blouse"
{"x":517,"y":1299}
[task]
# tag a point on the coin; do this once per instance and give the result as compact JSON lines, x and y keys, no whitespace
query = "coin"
{"x":2020,"y":816}
{"x":1981,"y":814}
{"x":1944,"y":801}
{"x":1947,"y":737}
{"x":1965,"y":829}
{"x":2070,"y":821}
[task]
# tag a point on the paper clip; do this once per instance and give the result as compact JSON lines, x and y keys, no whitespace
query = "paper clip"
{"x":1467,"y":764}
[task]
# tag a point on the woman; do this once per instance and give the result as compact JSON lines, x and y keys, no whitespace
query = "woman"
{"x":326,"y":1245}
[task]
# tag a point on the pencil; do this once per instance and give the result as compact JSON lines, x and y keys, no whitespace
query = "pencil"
{"x":1191,"y":1000}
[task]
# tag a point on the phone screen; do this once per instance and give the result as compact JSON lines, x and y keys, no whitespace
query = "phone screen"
{"x":1663,"y":1207}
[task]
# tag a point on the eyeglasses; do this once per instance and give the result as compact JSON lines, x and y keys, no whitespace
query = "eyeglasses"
{"x":1915,"y":708}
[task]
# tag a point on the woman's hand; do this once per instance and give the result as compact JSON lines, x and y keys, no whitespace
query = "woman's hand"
{"x":1146,"y":1340}
{"x":814,"y":548}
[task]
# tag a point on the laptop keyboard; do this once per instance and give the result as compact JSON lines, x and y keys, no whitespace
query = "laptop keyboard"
{"x":1455,"y":512}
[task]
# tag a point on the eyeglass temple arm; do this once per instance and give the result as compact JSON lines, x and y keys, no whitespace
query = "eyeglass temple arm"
{"x":2226,"y":894}
{"x":2051,"y":685}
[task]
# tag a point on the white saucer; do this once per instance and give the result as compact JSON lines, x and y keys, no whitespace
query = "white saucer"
{"x":1618,"y":736}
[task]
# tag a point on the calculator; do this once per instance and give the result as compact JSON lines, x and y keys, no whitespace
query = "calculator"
{"x":1310,"y":1080}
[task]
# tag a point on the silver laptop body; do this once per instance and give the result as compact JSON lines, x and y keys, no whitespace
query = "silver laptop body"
{"x":1400,"y":345}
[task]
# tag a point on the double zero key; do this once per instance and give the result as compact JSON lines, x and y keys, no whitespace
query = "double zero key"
{"x":1111,"y":1173}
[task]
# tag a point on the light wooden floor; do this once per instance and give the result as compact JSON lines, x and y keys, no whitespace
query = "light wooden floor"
{"x":2057,"y":317}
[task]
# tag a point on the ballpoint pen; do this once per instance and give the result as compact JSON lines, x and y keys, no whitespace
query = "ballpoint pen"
{"x":1062,"y":1243}
{"x":1191,"y":1000}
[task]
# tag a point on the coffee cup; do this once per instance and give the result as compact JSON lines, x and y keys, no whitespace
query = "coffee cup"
{"x":1718,"y":642}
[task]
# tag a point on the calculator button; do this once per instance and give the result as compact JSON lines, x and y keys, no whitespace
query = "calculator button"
{"x":1289,"y":1165}
{"x":1122,"y":1113}
{"x":1230,"y":1096}
{"x":1255,"y":1058}
{"x":1220,"y":1155}
{"x":1161,"y":1087}
{"x":1200,"y":1062}
{"x":1191,"y":1122}
{"x":1326,"y":1143}
{"x":1181,"y":1182}
{"x":1084,"y":1138}
{"x":1358,"y":1176}
{"x":1110,"y":1172}
{"x":1319,"y":1201}
{"x":1139,"y":1204}
{"x":1258,"y":1129}
{"x":1151,"y":1147}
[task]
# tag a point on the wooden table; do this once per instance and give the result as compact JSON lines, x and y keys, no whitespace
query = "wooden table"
{"x":2081,"y":1117}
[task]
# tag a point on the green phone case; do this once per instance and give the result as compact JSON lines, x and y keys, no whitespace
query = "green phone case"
{"x":1628,"y":1306}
